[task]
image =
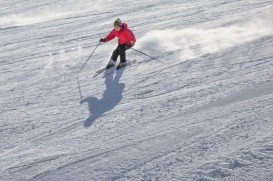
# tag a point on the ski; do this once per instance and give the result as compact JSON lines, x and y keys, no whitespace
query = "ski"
{"x":113,"y":69}
{"x":98,"y":72}
{"x":128,"y":63}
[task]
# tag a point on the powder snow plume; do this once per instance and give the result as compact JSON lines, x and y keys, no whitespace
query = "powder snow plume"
{"x":195,"y":42}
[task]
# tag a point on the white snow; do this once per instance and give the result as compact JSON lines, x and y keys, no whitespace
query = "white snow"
{"x":206,"y":114}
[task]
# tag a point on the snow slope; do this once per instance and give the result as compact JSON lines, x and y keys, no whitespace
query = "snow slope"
{"x":206,"y":114}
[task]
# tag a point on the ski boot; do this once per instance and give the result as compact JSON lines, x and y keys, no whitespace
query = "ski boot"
{"x":121,"y":65}
{"x":110,"y":64}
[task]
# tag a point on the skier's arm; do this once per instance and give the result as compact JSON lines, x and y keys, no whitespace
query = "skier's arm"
{"x":132,"y":38}
{"x":109,"y":37}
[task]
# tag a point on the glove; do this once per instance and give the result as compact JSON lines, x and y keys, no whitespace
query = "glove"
{"x":128,"y":46}
{"x":102,"y":40}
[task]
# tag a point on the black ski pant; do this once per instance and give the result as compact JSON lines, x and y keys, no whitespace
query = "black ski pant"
{"x":119,"y":51}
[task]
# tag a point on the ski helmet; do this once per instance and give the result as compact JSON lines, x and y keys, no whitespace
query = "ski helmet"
{"x":118,"y":22}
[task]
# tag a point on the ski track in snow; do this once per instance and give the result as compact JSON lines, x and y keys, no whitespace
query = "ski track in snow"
{"x":206,"y":114}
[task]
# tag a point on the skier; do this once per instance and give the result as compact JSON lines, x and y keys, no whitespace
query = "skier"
{"x":126,"y":40}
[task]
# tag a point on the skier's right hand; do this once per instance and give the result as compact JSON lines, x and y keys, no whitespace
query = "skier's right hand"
{"x":102,"y":40}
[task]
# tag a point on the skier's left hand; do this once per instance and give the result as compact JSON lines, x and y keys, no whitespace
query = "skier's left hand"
{"x":127,"y":46}
{"x":130,"y":45}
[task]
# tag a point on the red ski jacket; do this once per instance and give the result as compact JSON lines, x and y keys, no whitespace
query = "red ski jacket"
{"x":125,"y":36}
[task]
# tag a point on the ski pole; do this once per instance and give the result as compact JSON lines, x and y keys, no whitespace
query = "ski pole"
{"x":89,"y":56}
{"x":147,"y":55}
{"x":79,"y":86}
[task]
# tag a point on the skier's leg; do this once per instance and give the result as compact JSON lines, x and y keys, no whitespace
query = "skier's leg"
{"x":114,"y":58}
{"x":115,"y":54}
{"x":122,"y":53}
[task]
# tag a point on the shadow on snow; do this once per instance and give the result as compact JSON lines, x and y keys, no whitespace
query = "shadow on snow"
{"x":111,"y":98}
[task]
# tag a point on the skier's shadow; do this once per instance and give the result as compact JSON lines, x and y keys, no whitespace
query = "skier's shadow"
{"x":111,"y":98}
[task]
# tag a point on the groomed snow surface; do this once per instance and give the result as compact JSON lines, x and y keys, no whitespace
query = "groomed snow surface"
{"x":206,"y":114}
